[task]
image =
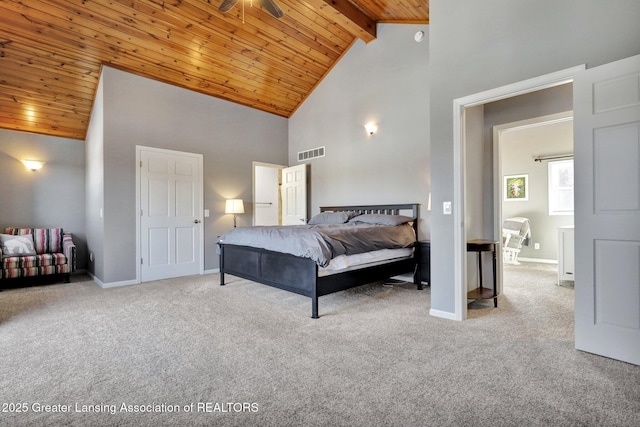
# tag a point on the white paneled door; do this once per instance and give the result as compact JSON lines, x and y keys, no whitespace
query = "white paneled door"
{"x":607,"y":214}
{"x":294,"y":195}
{"x":170,"y":214}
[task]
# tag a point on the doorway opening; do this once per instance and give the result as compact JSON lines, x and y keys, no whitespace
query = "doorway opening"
{"x":280,"y":194}
{"x":532,"y":226}
{"x":464,"y":111}
{"x":606,"y":106}
{"x":267,"y":200}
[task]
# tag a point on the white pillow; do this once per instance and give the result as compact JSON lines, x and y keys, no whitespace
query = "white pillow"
{"x":17,"y":245}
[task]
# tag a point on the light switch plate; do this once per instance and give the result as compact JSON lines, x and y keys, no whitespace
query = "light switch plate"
{"x":446,"y":208}
{"x":206,"y":213}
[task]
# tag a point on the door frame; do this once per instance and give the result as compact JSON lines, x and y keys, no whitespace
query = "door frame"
{"x":200,"y":196}
{"x":459,"y":163}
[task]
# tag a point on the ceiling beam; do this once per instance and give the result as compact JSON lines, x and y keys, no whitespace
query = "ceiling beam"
{"x":348,"y":16}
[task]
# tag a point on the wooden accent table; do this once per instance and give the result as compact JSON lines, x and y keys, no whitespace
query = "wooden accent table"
{"x":479,"y":246}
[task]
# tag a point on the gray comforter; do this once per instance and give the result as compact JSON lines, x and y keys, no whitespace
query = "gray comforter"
{"x":321,"y":243}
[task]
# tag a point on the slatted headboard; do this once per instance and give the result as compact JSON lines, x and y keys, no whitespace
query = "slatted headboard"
{"x":408,"y":209}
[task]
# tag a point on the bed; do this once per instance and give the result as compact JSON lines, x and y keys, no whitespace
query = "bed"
{"x":302,"y":274}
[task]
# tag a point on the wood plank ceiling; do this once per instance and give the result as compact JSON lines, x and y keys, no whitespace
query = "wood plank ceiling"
{"x":51,"y":51}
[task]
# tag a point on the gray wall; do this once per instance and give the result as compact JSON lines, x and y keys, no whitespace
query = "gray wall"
{"x":139,"y":111}
{"x":51,"y":197}
{"x":385,"y":81}
{"x":476,"y":46}
{"x":94,"y":184}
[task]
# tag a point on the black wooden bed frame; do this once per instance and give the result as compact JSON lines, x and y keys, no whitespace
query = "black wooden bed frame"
{"x":300,"y":275}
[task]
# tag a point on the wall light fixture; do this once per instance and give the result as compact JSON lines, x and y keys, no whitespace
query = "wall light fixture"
{"x":33,"y":165}
{"x":371,"y":128}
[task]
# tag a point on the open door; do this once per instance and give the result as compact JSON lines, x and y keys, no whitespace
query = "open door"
{"x":294,"y":195}
{"x":607,"y":214}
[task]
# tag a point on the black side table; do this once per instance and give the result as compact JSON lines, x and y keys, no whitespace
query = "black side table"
{"x":423,"y":263}
{"x":479,"y":246}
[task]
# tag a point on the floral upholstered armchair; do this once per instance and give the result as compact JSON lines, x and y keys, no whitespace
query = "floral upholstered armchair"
{"x":28,"y":252}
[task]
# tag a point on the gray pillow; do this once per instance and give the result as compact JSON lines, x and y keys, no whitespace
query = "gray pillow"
{"x":331,"y":218}
{"x":381,"y":219}
{"x":17,"y":245}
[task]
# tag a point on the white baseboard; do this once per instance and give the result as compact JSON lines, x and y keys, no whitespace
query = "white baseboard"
{"x":112,"y":284}
{"x":132,"y":282}
{"x":540,"y":260}
{"x":442,"y":314}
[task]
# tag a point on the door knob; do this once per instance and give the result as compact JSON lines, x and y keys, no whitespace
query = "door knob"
{"x":196,"y":221}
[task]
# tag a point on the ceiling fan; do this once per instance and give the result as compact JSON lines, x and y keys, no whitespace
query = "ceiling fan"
{"x":270,"y":5}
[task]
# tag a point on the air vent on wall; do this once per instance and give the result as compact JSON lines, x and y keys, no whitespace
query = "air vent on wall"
{"x":314,"y":153}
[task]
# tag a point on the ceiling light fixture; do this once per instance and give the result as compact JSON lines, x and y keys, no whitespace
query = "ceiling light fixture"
{"x":270,"y":5}
{"x":418,"y":36}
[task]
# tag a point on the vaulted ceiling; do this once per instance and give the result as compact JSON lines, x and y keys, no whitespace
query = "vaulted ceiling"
{"x":51,"y":51}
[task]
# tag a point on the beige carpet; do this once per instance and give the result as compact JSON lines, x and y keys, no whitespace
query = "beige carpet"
{"x":189,"y":352}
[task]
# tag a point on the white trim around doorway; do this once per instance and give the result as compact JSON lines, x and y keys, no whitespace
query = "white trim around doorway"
{"x":459,"y":160}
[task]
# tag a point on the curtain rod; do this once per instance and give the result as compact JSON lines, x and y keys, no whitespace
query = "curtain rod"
{"x":559,"y":156}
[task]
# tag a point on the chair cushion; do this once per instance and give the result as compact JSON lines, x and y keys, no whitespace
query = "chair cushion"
{"x":43,"y":260}
{"x":51,"y":259}
{"x":20,"y":262}
{"x":47,"y":240}
{"x":13,"y":273}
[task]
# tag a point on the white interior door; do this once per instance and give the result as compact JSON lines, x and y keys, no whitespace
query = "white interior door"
{"x":607,"y":214}
{"x":170,"y":214}
{"x":294,"y":195}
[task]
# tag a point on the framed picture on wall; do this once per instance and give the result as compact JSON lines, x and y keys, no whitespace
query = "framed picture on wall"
{"x":516,"y":187}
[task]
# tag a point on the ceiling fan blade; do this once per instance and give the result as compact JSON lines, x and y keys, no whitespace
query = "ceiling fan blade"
{"x":227,"y":5}
{"x":272,"y":8}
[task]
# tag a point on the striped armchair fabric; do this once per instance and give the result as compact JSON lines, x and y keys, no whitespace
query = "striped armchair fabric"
{"x":55,"y":253}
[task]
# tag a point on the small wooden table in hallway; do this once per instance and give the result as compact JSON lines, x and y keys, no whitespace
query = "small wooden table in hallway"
{"x":479,"y":246}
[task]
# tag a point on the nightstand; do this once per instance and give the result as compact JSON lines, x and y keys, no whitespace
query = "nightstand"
{"x":423,"y":263}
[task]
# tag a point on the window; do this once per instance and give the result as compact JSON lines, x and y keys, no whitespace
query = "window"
{"x":561,"y":187}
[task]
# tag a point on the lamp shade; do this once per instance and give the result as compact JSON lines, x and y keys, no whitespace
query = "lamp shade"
{"x":234,"y":206}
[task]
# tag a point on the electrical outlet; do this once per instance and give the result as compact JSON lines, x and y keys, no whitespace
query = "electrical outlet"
{"x":536,"y":246}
